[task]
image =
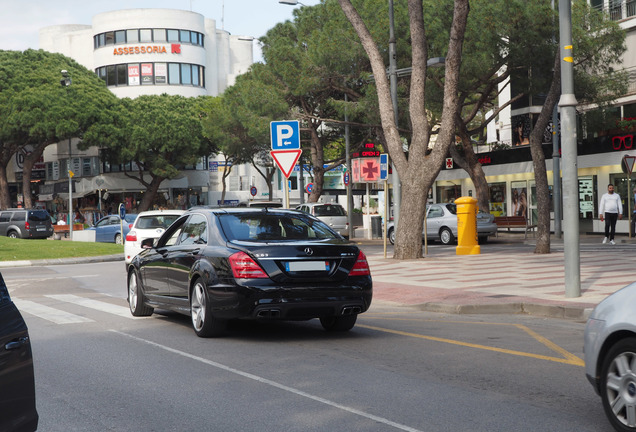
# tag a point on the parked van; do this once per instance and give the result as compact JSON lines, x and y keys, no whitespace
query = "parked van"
{"x":26,"y":224}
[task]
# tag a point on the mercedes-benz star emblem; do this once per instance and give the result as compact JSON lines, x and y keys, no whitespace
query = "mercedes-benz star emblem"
{"x":309,"y":251}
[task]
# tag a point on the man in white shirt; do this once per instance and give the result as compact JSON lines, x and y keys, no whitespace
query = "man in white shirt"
{"x":611,"y":209}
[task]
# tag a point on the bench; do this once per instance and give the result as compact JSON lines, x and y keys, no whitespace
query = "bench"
{"x":514,"y":222}
{"x":58,"y":230}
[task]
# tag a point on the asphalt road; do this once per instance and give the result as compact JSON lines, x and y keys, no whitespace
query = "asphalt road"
{"x":399,"y":369}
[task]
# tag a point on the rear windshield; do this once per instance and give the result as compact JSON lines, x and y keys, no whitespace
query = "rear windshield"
{"x":158,"y":221}
{"x":329,"y":210}
{"x":272,"y":226}
{"x":39,"y":216}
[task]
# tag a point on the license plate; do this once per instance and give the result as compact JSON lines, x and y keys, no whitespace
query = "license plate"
{"x":40,"y":229}
{"x":295,"y":266}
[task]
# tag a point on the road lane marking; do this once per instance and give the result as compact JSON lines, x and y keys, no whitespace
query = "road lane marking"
{"x":571,"y":360}
{"x":273,"y":384}
{"x":101,"y":306}
{"x":48,"y":313}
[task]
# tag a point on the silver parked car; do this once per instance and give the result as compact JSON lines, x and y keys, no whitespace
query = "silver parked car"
{"x":610,"y":356}
{"x":441,"y":224}
{"x":332,"y":214}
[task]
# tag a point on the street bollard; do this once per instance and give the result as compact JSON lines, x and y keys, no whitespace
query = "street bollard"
{"x":467,"y":243}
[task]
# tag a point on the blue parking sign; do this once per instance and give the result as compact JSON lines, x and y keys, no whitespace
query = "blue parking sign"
{"x":285,"y":135}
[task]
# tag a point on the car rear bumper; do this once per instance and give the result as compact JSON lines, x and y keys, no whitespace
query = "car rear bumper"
{"x":287,"y":303}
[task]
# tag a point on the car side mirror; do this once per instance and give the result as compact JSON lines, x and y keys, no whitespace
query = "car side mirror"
{"x":148,"y":243}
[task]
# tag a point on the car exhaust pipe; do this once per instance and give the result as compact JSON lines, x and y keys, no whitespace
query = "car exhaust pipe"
{"x":351,"y":310}
{"x":268,"y":313}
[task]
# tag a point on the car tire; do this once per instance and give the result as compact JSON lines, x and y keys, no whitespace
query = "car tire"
{"x":203,"y":322}
{"x":13,"y":234}
{"x":391,"y":236}
{"x":618,"y":384}
{"x":483,"y":239}
{"x":118,"y":239}
{"x":136,"y":298}
{"x":338,"y":323}
{"x":446,"y":236}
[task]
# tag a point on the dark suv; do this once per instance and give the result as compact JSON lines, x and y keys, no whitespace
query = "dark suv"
{"x":26,"y":224}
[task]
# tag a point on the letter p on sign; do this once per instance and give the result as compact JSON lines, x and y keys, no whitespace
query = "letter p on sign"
{"x":285,"y":135}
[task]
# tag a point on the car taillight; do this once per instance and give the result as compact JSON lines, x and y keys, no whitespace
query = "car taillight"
{"x":27,"y":226}
{"x":131,"y":236}
{"x":361,"y":267}
{"x":244,"y":267}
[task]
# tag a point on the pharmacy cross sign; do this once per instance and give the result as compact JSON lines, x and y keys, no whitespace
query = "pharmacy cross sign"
{"x":370,"y":170}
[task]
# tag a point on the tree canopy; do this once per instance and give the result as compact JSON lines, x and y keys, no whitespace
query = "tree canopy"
{"x":38,"y":110}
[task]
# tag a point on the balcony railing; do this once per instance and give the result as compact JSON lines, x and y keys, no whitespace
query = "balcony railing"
{"x":618,"y":9}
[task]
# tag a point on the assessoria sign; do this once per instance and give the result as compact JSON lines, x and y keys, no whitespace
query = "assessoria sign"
{"x":148,"y":49}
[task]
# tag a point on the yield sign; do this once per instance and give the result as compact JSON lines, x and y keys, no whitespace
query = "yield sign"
{"x":629,"y":163}
{"x":286,"y":159}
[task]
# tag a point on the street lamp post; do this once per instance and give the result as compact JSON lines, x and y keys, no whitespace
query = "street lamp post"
{"x":66,"y":82}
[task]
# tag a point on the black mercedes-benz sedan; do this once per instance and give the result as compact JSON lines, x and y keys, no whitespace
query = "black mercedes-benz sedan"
{"x":250,"y":263}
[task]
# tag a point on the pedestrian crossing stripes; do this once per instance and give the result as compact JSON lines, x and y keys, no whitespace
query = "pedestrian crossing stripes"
{"x":48,"y":313}
{"x":56,"y":315}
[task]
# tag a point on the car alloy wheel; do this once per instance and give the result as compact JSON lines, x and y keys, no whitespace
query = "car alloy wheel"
{"x":204,"y":324}
{"x":618,"y":385}
{"x":446,"y":236}
{"x":136,"y":298}
{"x":391,"y":236}
{"x":118,"y":238}
{"x":13,"y":234}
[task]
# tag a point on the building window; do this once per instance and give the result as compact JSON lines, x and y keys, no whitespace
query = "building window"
{"x":186,"y":74}
{"x":145,"y":35}
{"x":173,"y":35}
{"x":120,"y":36}
{"x":152,"y":73}
{"x":122,"y":75}
{"x":159,"y":35}
{"x":173,"y":73}
{"x":132,"y":36}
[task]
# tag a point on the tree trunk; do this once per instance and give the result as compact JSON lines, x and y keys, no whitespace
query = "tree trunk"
{"x":538,"y":160}
{"x":418,"y":173}
{"x":5,"y":197}
{"x":27,"y":173}
{"x":318,"y":161}
{"x":469,"y":162}
{"x":150,"y":194}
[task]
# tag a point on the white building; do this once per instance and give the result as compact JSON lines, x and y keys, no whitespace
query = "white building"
{"x":143,"y":52}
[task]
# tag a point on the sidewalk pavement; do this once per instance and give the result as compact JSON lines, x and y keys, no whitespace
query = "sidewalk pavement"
{"x":507,"y":277}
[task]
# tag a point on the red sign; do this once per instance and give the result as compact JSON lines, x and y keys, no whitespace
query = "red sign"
{"x":370,"y":170}
{"x":449,"y":163}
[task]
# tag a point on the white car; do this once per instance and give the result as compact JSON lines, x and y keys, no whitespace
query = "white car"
{"x":332,"y":214}
{"x":610,"y":356}
{"x":149,"y":224}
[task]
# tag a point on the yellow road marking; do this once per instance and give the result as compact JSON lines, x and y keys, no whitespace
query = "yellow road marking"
{"x":570,"y":358}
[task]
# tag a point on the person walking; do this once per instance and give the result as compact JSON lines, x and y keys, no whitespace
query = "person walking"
{"x":611,"y":209}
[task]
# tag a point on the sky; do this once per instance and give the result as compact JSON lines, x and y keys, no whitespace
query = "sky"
{"x":20,"y":21}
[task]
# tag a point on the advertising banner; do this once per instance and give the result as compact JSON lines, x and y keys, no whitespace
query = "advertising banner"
{"x":133,"y":74}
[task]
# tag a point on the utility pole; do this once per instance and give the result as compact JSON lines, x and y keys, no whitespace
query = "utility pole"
{"x":572,"y":253}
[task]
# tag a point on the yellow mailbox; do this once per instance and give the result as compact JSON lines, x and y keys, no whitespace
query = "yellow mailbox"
{"x":467,"y":243}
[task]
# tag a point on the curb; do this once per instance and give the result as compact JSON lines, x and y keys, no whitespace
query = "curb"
{"x":58,"y":261}
{"x":541,"y":310}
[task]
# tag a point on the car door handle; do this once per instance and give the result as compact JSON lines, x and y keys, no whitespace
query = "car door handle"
{"x":194,"y":252}
{"x":15,"y":344}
